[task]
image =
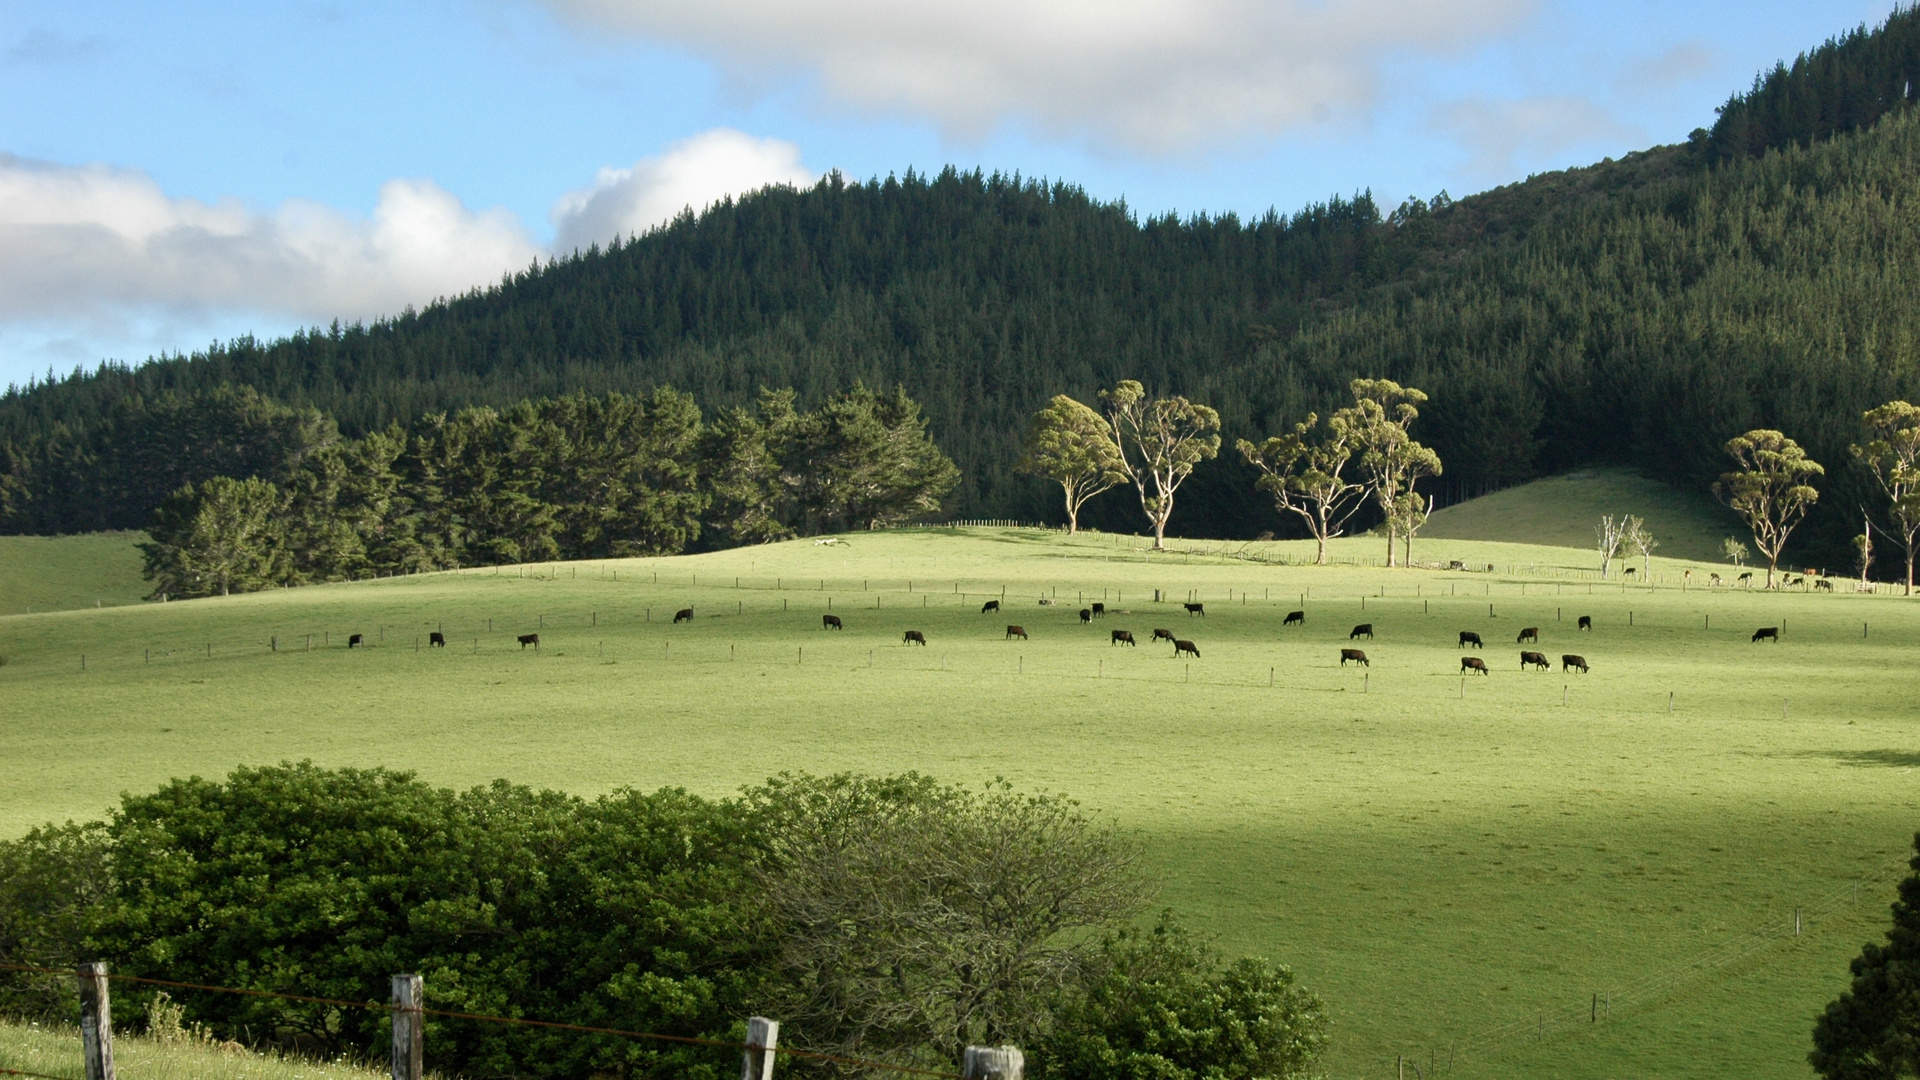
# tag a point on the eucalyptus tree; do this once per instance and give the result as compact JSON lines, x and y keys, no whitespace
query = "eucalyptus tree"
{"x":1160,"y":442}
{"x":1769,"y":489}
{"x":1307,"y":475}
{"x":1382,"y":412}
{"x":1892,"y":455}
{"x":1073,"y":446}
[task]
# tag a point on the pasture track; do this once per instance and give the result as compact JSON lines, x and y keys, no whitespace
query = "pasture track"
{"x":1463,"y":868}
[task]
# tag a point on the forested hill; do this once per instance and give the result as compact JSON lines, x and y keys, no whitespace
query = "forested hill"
{"x":1637,"y":311}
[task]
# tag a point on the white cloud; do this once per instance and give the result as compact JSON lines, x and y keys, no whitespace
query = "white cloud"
{"x":694,"y":173}
{"x":1503,"y":137}
{"x":1155,"y":75}
{"x":95,"y":242}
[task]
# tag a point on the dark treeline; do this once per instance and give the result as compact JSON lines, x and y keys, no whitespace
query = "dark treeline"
{"x":1639,"y":311}
{"x":576,"y":477}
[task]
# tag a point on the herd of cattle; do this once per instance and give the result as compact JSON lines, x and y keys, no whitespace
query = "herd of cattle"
{"x":1529,"y":660}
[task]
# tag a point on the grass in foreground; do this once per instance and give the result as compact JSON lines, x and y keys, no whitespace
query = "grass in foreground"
{"x":1457,"y":867}
{"x":56,"y":1052}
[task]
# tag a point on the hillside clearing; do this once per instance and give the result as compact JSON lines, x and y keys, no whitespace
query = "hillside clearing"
{"x":1444,"y":860}
{"x":52,"y":573}
{"x":1561,"y":511}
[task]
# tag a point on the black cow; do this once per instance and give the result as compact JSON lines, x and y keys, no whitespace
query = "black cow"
{"x":1099,"y":610}
{"x":1823,"y":585}
{"x":1163,"y":635}
{"x":1365,"y":629}
{"x":1354,"y":655}
{"x":1569,"y":661}
{"x":1017,"y":632}
{"x":1468,"y":637}
{"x":827,"y":622}
{"x":356,"y":641}
{"x":1474,"y":663}
{"x":529,"y":639}
{"x":437,"y":639}
{"x":991,"y":605}
{"x":1295,"y":618}
{"x":1767,"y":633}
{"x":1586,"y":622}
{"x":1124,"y":635}
{"x":912,"y":636}
{"x":1185,"y":646}
{"x":1538,"y":660}
{"x":685,"y":614}
{"x":1086,"y":615}
{"x":1195,"y":609}
{"x":1531,"y":633}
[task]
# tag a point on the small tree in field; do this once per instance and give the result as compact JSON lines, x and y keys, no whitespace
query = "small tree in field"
{"x":1382,"y":412}
{"x":1893,"y":457}
{"x":1304,"y":475}
{"x":1641,"y":539}
{"x":1072,"y":446}
{"x":1160,"y":441}
{"x":1734,"y":550}
{"x":1769,"y":489}
{"x":1610,"y":537}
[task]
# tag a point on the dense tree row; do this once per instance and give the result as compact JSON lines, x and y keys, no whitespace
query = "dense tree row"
{"x":1640,"y":311}
{"x":986,"y":917}
{"x":572,"y":477}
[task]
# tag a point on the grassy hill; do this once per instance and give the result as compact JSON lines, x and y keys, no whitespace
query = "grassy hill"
{"x":1561,"y":511}
{"x":43,"y":573}
{"x":1459,"y":866}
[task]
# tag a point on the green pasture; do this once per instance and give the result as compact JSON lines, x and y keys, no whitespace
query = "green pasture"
{"x":56,"y":1052}
{"x":1561,"y":511}
{"x":1459,"y":867}
{"x":50,"y":573}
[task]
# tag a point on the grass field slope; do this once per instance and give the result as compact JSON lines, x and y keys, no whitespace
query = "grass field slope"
{"x":1515,"y":874}
{"x":50,"y":573}
{"x":1561,"y":511}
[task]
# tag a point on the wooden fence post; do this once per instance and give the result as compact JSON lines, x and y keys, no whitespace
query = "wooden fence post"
{"x":762,"y":1036}
{"x":993,"y":1063}
{"x":96,"y":1022}
{"x":409,"y":1043}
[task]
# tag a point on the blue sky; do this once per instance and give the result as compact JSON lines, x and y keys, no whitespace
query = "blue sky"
{"x":171,"y":174}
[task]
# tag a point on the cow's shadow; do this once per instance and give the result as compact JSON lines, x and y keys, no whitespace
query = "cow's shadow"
{"x":1869,"y":759}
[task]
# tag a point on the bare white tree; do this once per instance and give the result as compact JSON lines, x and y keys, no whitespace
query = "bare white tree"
{"x":1635,"y":533}
{"x":1610,"y":537}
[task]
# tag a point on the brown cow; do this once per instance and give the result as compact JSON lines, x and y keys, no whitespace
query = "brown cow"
{"x":1474,"y":663}
{"x":437,"y":639}
{"x":991,"y":605}
{"x":1531,"y":633}
{"x":1468,"y":637}
{"x":912,"y":636}
{"x":1295,"y":618}
{"x":529,"y":639}
{"x":1354,"y":655}
{"x":1017,"y":632}
{"x":827,"y":622}
{"x":1365,"y":628}
{"x":356,"y":641}
{"x":1569,"y":661}
{"x":1163,"y":635}
{"x":1124,"y":635}
{"x":1086,"y":615}
{"x":1195,"y":609}
{"x":1586,"y":622}
{"x":1185,"y":646}
{"x":1767,"y":633}
{"x":1538,"y":660}
{"x":685,"y":614}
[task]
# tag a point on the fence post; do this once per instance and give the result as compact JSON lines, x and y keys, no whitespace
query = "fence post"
{"x":762,"y":1035}
{"x":96,"y":1022}
{"x":993,"y":1063}
{"x":408,"y":1039}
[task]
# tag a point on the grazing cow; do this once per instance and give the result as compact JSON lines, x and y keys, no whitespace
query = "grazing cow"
{"x":1538,"y":660}
{"x":529,"y":639}
{"x":1569,"y":661}
{"x":991,"y":605}
{"x":1801,"y":580}
{"x":1195,"y":609}
{"x":1099,"y":610}
{"x":1531,"y":633}
{"x":1354,"y":655}
{"x":1295,"y":618}
{"x":827,"y":622}
{"x":437,"y":639}
{"x":1124,"y":635}
{"x":1185,"y":646}
{"x":685,"y":614}
{"x":1086,"y":615}
{"x":1468,"y":637}
{"x":1767,"y":633}
{"x":1746,"y":578}
{"x":1474,"y":663}
{"x":1163,"y":635}
{"x":912,"y":636}
{"x":356,"y":641}
{"x":1824,"y":585}
{"x":1586,"y":622}
{"x":1365,"y":629}
{"x":1630,"y":571}
{"x":1713,"y":580}
{"x":1045,"y":602}
{"x":1017,"y":632}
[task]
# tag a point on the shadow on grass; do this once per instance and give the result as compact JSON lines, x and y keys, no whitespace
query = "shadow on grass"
{"x":1865,"y":759}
